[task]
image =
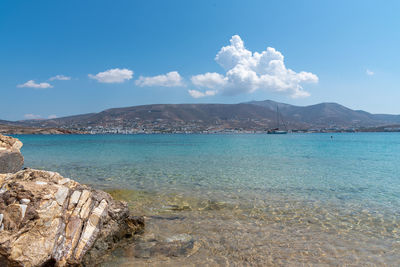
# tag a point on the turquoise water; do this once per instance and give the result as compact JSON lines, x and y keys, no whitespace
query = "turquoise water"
{"x":342,"y":193}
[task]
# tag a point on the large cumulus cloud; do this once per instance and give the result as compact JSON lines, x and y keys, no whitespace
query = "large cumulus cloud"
{"x":247,"y":72}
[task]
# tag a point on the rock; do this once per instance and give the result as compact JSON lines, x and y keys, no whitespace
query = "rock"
{"x":11,"y":159}
{"x":46,"y":219}
{"x":8,"y":142}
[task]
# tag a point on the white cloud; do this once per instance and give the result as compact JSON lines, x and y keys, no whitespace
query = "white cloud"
{"x":198,"y":94}
{"x":32,"y":116}
{"x":209,"y":80}
{"x":369,"y":72}
{"x":33,"y":84}
{"x":60,"y":78}
{"x":52,"y":116}
{"x":113,"y":76}
{"x":247,"y":72}
{"x":171,"y":79}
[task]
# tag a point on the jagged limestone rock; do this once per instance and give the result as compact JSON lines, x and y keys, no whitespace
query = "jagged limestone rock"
{"x":11,"y":159}
{"x":48,"y":219}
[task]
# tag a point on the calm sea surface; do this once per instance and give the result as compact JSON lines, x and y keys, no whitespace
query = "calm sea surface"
{"x":243,"y":199}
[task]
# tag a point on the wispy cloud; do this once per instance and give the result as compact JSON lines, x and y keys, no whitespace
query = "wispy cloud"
{"x":170,"y":79}
{"x":369,"y":72}
{"x":32,"y":116}
{"x":33,"y":84}
{"x":113,"y":76}
{"x":60,"y":78}
{"x":247,"y":72}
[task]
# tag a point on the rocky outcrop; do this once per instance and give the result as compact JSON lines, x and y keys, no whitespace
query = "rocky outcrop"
{"x":47,"y":220}
{"x":11,"y":159}
{"x":16,"y":129}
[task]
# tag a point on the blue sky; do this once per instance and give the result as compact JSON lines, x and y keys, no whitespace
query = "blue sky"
{"x":118,"y":53}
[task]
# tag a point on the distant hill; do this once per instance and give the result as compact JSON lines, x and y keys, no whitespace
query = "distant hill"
{"x":8,"y":122}
{"x":255,"y":115}
{"x":328,"y":114}
{"x":172,"y":115}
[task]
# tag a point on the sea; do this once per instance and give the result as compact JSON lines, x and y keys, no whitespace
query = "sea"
{"x":330,"y":199}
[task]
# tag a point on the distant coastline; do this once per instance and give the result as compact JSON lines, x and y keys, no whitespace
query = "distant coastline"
{"x":248,"y":117}
{"x":14,"y":129}
{"x":19,"y":130}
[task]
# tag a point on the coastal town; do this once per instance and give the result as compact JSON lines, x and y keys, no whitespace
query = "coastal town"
{"x":162,"y":126}
{"x":158,"y":127}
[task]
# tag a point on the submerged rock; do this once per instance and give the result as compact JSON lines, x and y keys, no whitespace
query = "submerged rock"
{"x":46,"y":219}
{"x":174,"y":246}
{"x":11,"y":159}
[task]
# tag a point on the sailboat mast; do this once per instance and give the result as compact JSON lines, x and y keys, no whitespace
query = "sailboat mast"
{"x":277,"y":117}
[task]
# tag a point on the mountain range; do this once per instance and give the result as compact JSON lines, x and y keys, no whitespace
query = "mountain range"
{"x":254,"y":115}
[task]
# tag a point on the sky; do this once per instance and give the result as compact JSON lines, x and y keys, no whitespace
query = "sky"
{"x":60,"y":58}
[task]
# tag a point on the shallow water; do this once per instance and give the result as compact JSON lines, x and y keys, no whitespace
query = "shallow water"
{"x":243,"y":199}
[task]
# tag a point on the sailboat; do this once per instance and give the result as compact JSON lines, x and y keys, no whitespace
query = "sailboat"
{"x":277,"y":130}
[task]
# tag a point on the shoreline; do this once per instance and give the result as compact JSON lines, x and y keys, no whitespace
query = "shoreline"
{"x":18,"y":130}
{"x":67,"y":132}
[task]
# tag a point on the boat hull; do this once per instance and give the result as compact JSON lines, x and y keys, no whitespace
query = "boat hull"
{"x":277,"y":132}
